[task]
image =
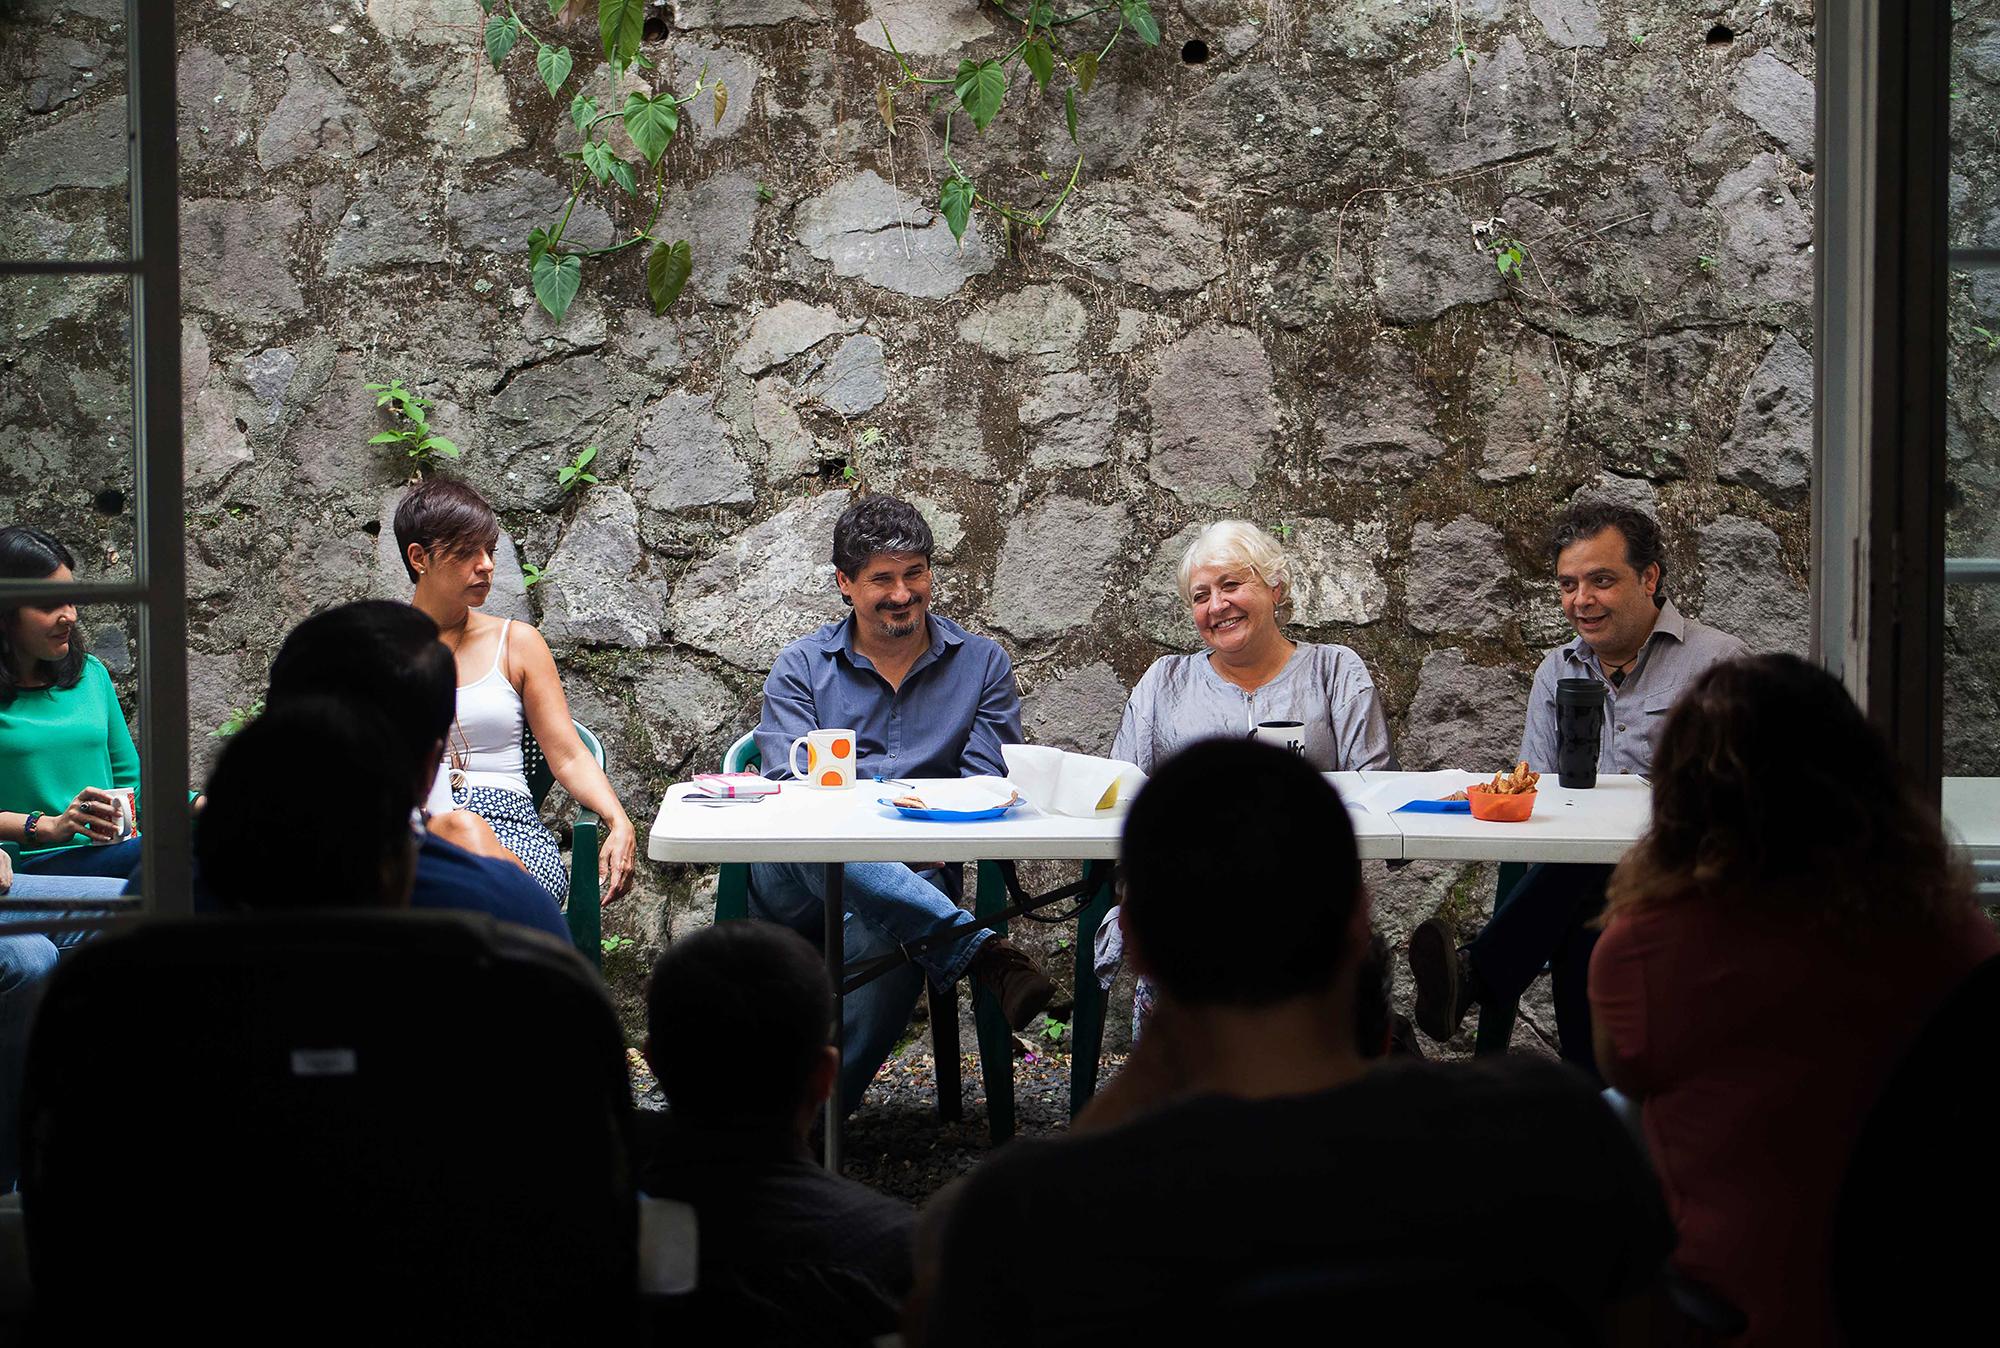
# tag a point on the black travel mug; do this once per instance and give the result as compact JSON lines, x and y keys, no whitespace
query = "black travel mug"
{"x":1579,"y":730}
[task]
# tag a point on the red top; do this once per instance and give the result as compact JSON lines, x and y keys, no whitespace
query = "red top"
{"x":1758,"y":1049}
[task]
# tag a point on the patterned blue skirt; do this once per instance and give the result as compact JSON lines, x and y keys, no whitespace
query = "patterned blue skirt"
{"x":518,"y":824}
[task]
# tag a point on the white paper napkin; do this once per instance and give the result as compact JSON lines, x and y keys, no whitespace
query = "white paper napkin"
{"x":1389,"y":796}
{"x":1057,"y":782}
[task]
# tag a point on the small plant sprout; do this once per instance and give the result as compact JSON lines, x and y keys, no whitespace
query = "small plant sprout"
{"x":1054,"y":1030}
{"x":1706,"y":263}
{"x":413,"y":432}
{"x":1508,"y":257}
{"x":613,"y":944}
{"x":764,"y":193}
{"x":532,"y":575}
{"x":1988,"y":336}
{"x":577,"y":471}
{"x":238,"y":718}
{"x":1283,"y":530}
{"x":1637,"y":40}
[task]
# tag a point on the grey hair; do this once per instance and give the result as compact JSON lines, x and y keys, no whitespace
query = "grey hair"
{"x":1241,"y":543}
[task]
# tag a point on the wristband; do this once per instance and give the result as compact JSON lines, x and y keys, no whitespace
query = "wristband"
{"x":28,"y":829}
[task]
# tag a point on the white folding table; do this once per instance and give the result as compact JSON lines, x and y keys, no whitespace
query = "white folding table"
{"x":834,"y":827}
{"x":1972,"y":815}
{"x":1596,"y":824}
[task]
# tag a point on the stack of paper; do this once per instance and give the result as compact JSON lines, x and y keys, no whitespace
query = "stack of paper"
{"x":1392,"y":795}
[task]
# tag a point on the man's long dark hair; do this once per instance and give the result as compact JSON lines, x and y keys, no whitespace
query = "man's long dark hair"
{"x":26,"y":553}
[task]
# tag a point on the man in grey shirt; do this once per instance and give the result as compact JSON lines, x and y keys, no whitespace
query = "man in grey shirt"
{"x":1629,"y":637}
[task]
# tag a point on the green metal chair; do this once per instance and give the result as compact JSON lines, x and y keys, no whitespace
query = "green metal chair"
{"x":996,"y":1037}
{"x":584,"y":910}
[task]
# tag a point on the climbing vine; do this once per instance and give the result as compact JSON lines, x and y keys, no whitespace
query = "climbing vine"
{"x":980,"y":90}
{"x":650,"y":120}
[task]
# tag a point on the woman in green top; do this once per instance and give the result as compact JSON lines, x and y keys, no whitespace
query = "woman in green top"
{"x":63,"y":740}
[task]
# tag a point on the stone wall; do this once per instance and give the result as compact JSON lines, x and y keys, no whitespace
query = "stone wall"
{"x":1275,"y":295}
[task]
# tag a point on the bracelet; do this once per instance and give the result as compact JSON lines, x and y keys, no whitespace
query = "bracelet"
{"x":28,"y":829}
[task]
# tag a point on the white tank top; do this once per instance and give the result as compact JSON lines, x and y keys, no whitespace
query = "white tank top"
{"x":486,"y":737}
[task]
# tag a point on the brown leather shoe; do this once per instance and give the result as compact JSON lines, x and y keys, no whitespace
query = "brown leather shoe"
{"x":1445,"y":986}
{"x":1003,"y":970}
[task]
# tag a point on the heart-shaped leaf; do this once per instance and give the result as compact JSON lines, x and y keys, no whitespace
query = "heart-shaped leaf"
{"x":1085,"y":66}
{"x":651,"y":123}
{"x":581,"y":109}
{"x":501,"y":35}
{"x":621,"y":173}
{"x":557,"y":277}
{"x":1140,"y":16}
{"x":620,"y":24}
{"x":553,"y":65}
{"x":538,"y":243}
{"x":1041,"y":62}
{"x":981,"y":87}
{"x":667,"y":270}
{"x":598,"y":158}
{"x":956,"y":203}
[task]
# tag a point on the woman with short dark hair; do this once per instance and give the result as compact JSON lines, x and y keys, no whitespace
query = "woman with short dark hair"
{"x":447,"y":535}
{"x":1771,"y":948}
{"x":64,"y":744}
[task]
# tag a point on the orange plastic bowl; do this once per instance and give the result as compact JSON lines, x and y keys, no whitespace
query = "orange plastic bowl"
{"x":1499,"y":809}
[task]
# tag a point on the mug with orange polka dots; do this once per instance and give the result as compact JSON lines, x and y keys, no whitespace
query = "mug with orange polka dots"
{"x":829,"y":758}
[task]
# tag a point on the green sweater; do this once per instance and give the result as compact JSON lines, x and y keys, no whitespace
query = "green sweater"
{"x":56,"y":741}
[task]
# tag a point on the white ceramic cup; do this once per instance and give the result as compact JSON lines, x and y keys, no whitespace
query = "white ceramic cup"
{"x":128,"y":811}
{"x":1287,"y":735}
{"x":829,"y":758}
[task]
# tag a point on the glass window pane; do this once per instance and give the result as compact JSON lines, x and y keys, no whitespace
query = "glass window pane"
{"x":63,"y":136}
{"x":1972,"y":449}
{"x":66,"y":441}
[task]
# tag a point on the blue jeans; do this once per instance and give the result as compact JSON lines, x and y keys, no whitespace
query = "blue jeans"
{"x":887,"y":906}
{"x":25,"y":965}
{"x":119,"y":859}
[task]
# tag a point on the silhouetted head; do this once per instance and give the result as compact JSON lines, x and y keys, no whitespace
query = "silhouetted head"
{"x":382,"y":655}
{"x":1230,"y":828}
{"x":308,"y":807}
{"x":739,"y":1025}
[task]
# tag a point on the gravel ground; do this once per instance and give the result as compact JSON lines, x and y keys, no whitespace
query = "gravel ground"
{"x":895,"y":1142}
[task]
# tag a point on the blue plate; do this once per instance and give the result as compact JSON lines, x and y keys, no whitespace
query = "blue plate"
{"x":947,"y":816}
{"x":1436,"y":807}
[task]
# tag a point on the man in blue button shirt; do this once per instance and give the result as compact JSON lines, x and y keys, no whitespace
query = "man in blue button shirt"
{"x":925,"y":698}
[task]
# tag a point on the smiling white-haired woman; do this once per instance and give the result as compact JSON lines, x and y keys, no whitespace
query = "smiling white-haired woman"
{"x":1237,"y":584}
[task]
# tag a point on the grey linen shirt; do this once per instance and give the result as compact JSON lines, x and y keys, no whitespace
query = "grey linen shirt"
{"x":1678,"y":650}
{"x":1181,"y":699}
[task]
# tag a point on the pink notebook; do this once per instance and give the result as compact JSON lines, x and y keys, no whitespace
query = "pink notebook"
{"x":734,"y":784}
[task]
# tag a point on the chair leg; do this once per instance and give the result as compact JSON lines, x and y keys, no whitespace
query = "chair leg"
{"x":732,"y":893}
{"x":996,"y":1037}
{"x":944,"y":1052}
{"x":1086,"y":1026}
{"x":586,"y":914}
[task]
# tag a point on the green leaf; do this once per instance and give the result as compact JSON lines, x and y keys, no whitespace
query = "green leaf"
{"x":486,"y":6}
{"x":1069,"y":113}
{"x":620,"y":24}
{"x":1085,"y":66}
{"x":956,"y":203}
{"x":621,"y":173}
{"x":1141,"y":18}
{"x":386,"y":438}
{"x":581,"y":109}
{"x":667,"y":270}
{"x":553,"y":65}
{"x":1041,"y":62}
{"x":981,"y":87}
{"x":1041,"y":14}
{"x":538,"y":243}
{"x":557,"y":277}
{"x":531,"y":575}
{"x":583,"y":459}
{"x":501,"y":35}
{"x":556,"y":7}
{"x":651,"y":123}
{"x":439,"y":445}
{"x":598,"y":157}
